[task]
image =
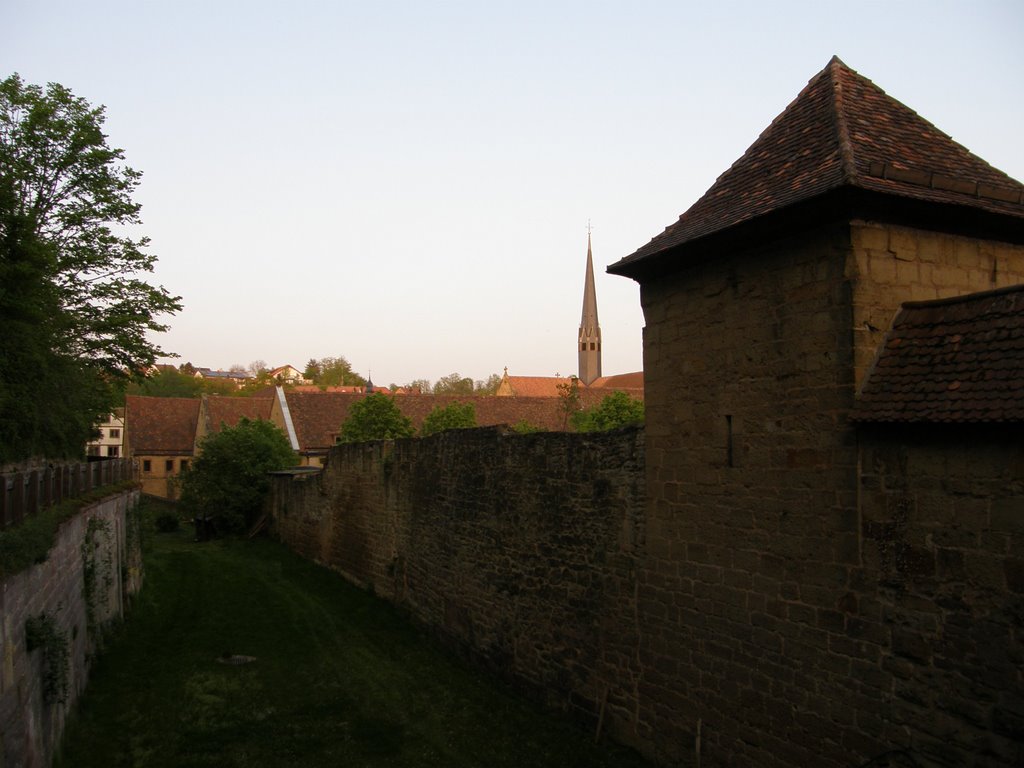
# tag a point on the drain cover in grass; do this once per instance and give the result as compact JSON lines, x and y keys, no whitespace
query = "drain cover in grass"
{"x":235,"y":659}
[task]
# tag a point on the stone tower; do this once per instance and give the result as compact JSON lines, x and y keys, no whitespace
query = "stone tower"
{"x":590,"y":331}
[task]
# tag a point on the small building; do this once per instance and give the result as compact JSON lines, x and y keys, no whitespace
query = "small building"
{"x":164,"y":434}
{"x":160,"y":435}
{"x":288,"y":374}
{"x":109,"y":442}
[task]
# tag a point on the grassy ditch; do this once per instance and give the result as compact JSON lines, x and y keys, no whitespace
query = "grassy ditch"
{"x":339,"y":678}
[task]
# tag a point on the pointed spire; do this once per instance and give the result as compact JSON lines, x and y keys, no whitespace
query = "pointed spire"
{"x":589,"y":341}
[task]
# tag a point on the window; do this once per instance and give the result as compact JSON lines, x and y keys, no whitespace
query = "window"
{"x":147,"y":465}
{"x":184,"y":464}
{"x":113,"y":451}
{"x":169,"y":465}
{"x":115,"y":433}
{"x":93,"y":450}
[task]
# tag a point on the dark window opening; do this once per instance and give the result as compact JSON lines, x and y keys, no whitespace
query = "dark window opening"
{"x":728,"y":441}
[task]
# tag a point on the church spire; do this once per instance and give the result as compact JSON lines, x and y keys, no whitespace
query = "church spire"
{"x":590,"y":332}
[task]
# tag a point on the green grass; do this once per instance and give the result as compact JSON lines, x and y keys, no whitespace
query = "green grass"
{"x":341,"y":679}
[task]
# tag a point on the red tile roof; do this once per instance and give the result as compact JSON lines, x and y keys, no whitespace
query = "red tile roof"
{"x":318,"y":417}
{"x":161,"y":425}
{"x":841,"y":131}
{"x":952,"y":360}
{"x":230,"y":410}
{"x":621,"y":381}
{"x":536,"y":386}
{"x":547,"y":386}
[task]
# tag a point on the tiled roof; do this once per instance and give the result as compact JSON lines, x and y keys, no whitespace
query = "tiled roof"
{"x":318,"y":417}
{"x":841,"y":131}
{"x":952,"y":360}
{"x":161,"y":425}
{"x":536,"y":386}
{"x":230,"y":410}
{"x":547,"y":386}
{"x":621,"y":381}
{"x":209,"y":373}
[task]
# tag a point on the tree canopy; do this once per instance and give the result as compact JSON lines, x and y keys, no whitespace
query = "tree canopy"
{"x":76,"y":315}
{"x":456,"y":384}
{"x":375,"y":417}
{"x":451,"y":416}
{"x":332,"y":372}
{"x":227,"y":481}
{"x":616,"y":410}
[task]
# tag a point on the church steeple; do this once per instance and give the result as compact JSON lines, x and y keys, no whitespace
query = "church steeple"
{"x":590,"y":332}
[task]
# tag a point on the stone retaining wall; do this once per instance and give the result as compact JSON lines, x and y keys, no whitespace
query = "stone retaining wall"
{"x":92,"y":570}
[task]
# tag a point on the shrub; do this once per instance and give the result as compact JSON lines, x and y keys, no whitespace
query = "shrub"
{"x":226,"y":484}
{"x":375,"y":417}
{"x":451,"y":416}
{"x":616,"y":410}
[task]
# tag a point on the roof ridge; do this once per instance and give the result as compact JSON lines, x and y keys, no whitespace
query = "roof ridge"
{"x":849,"y":169}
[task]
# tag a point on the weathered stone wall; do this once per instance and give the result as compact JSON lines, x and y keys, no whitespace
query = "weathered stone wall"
{"x":94,"y":566}
{"x":789,"y":645}
{"x":518,"y":549}
{"x":796,"y":591}
{"x":943,"y":525}
{"x":752,"y":530}
{"x":890,"y":265}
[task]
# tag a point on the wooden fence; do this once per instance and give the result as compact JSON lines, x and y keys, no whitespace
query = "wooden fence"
{"x":24,"y":493}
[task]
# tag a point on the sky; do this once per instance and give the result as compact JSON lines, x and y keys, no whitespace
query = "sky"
{"x":409,"y":184}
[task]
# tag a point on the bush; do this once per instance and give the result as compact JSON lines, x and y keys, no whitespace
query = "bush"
{"x":228,"y":481}
{"x":451,"y":416}
{"x":375,"y":417}
{"x":616,"y":410}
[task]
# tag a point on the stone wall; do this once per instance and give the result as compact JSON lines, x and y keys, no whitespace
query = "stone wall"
{"x":782,"y":588}
{"x":752,"y":530}
{"x":520,"y":550}
{"x":890,"y":265}
{"x":789,"y":645}
{"x":93,"y":568}
{"x":943,"y":526}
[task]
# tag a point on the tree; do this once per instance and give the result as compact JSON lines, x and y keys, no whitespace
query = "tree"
{"x":451,"y":416}
{"x":167,"y":382}
{"x":75,"y":313}
{"x":616,"y":410}
{"x":332,"y":372}
{"x":227,"y":482}
{"x":375,"y":417}
{"x":488,"y":387}
{"x":422,"y":385}
{"x":569,"y":399}
{"x":454,"y":384}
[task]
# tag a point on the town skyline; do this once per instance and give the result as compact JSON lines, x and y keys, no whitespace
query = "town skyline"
{"x":410,"y":187}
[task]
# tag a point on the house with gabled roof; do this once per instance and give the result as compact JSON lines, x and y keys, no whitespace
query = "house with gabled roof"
{"x":164,"y":434}
{"x":288,"y":374}
{"x":160,"y":435}
{"x":219,"y":411}
{"x":834,"y":562}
